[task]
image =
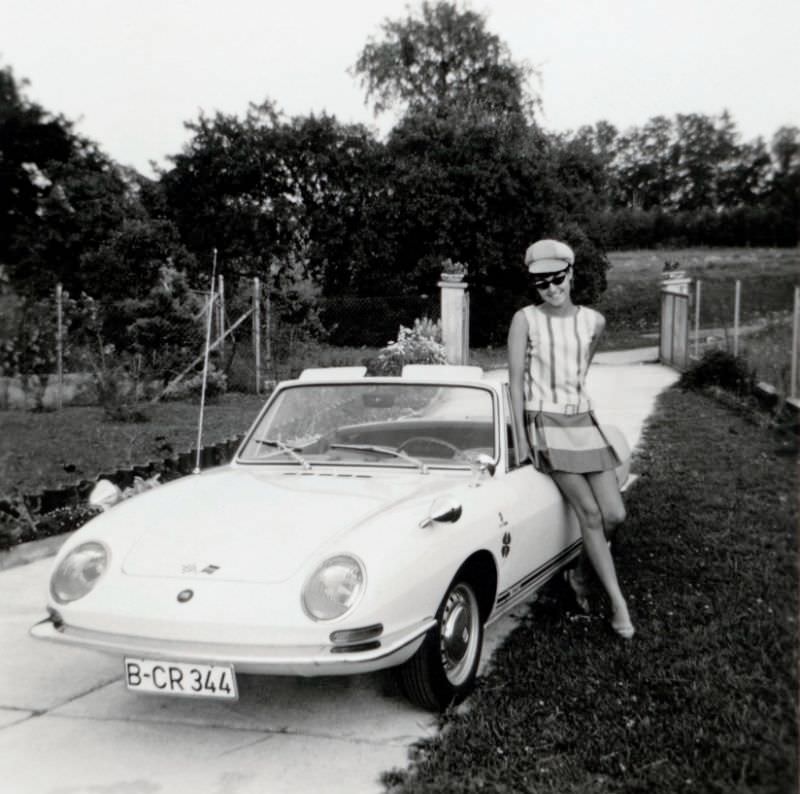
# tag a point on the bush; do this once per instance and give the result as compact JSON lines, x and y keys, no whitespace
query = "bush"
{"x":65,"y":519}
{"x":12,"y":527}
{"x":418,"y":345}
{"x":722,"y":369}
{"x":216,"y":384}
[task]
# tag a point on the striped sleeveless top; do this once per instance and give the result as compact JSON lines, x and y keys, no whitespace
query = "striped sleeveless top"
{"x":558,"y":359}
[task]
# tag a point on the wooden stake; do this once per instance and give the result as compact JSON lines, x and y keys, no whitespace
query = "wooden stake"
{"x":697,"y":296}
{"x":60,"y":344}
{"x":205,"y":362}
{"x":257,"y":331}
{"x":221,"y":314}
{"x":793,"y":390}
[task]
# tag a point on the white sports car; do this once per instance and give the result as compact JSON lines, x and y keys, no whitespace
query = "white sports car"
{"x":364,"y":523}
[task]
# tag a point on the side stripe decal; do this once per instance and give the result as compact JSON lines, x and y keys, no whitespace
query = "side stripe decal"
{"x":541,"y":572}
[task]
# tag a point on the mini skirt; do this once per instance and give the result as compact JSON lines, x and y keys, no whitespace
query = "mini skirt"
{"x":569,"y":442}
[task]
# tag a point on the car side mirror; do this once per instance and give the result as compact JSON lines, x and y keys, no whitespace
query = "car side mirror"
{"x":444,"y":510}
{"x":486,"y":464}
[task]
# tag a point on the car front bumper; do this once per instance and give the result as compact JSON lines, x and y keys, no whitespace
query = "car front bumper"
{"x":385,"y":651}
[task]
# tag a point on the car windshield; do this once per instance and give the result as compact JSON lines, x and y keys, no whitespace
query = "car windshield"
{"x":383,"y":424}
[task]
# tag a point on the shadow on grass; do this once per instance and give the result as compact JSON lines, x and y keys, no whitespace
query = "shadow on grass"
{"x":703,"y":699}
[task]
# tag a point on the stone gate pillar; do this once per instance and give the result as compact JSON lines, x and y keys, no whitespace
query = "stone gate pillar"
{"x":674,"y":326}
{"x":455,"y":318}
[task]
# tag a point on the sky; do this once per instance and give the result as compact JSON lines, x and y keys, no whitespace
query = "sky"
{"x":131,"y":73}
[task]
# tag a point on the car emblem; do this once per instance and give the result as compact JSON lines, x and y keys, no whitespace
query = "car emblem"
{"x":185,"y":595}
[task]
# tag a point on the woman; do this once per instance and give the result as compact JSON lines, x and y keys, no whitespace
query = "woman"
{"x":550,"y":347}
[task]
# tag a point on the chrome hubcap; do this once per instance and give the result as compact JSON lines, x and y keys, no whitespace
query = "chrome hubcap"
{"x":458,"y":631}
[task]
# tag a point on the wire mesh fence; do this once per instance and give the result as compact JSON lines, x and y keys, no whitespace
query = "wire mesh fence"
{"x":753,"y":317}
{"x":77,"y":350}
{"x":260,"y":335}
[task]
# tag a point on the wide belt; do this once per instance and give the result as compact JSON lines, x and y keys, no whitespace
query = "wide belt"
{"x":579,"y":407}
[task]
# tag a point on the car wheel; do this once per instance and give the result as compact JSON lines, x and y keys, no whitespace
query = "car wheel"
{"x":442,"y":672}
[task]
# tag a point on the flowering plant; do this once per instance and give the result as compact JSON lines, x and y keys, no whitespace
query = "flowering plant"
{"x":418,"y":345}
{"x":454,"y":268}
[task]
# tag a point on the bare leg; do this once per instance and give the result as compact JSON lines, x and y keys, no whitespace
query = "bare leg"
{"x":606,"y":491}
{"x":605,"y":488}
{"x":579,"y":493}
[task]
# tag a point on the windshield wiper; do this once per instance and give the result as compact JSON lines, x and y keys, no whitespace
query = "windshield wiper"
{"x":395,"y":453}
{"x":284,"y":447}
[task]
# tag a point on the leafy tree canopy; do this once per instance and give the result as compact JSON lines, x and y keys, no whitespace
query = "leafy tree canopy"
{"x":66,"y":207}
{"x":262,"y":189}
{"x":440,"y":59}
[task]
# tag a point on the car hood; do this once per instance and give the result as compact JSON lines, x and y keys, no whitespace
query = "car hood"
{"x":241,"y":524}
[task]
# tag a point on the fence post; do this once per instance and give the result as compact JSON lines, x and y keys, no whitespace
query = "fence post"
{"x":268,"y":333}
{"x":257,"y":331}
{"x":795,"y":344}
{"x":697,"y":296}
{"x":221,"y":317}
{"x":60,"y":344}
{"x":736,"y":307}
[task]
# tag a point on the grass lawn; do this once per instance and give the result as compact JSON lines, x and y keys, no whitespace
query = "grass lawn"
{"x":703,"y":699}
{"x":48,"y":449}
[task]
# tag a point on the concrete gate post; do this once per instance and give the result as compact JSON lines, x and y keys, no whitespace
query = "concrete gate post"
{"x":674,"y":330}
{"x":455,"y":318}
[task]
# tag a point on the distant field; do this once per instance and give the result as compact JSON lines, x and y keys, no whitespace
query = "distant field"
{"x":768,"y":276}
{"x":705,"y":262}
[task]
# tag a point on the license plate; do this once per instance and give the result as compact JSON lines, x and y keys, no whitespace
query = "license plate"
{"x":161,"y":677}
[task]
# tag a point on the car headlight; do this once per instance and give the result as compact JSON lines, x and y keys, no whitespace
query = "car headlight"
{"x":79,"y":572}
{"x":334,"y":587}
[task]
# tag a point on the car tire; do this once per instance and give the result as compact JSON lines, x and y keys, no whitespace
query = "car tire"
{"x":443,"y":671}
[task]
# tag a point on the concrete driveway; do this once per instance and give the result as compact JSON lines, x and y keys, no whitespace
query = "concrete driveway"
{"x":68,"y":726}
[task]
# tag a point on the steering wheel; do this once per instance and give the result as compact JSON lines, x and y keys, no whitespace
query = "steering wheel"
{"x":452,"y":448}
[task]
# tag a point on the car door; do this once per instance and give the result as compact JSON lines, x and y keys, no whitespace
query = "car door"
{"x":540,"y":529}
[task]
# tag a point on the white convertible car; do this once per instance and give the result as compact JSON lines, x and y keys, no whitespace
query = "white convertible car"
{"x":364,"y":523}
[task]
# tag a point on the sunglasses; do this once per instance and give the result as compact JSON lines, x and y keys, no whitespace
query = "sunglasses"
{"x":543,"y":282}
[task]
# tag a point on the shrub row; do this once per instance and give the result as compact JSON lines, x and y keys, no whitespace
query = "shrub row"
{"x":622,"y":229}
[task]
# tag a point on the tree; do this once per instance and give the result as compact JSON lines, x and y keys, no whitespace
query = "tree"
{"x":337,"y":173}
{"x":67,"y":207}
{"x":468,"y":191}
{"x":441,"y":59}
{"x":646,"y":165}
{"x":226,"y":190}
{"x":786,"y":149}
{"x":601,"y":142}
{"x":30,"y":140}
{"x":471,"y":175}
{"x":128,"y":263}
{"x":264,"y":190}
{"x":784,"y":193}
{"x":743,"y":181}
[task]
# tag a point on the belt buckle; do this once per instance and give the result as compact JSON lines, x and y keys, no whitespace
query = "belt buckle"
{"x":570,"y":409}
